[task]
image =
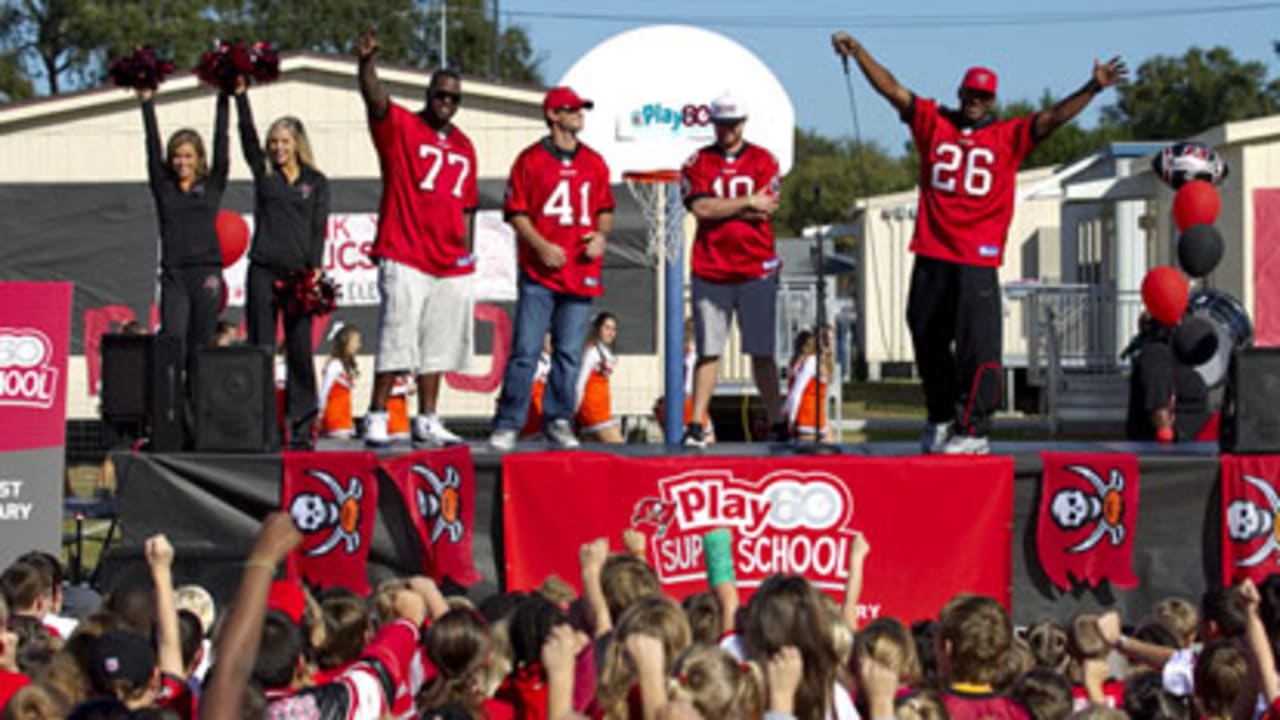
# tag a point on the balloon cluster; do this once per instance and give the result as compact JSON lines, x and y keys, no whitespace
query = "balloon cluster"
{"x":140,"y":70}
{"x":1192,"y":170}
{"x":229,"y":61}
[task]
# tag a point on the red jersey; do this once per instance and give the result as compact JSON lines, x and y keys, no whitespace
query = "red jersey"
{"x":563,"y":194}
{"x":735,"y":249}
{"x":967,"y":182}
{"x":428,"y":183}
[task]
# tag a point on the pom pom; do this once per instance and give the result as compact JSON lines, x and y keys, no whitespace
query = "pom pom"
{"x":230,"y":61}
{"x":140,"y":70}
{"x":305,"y":292}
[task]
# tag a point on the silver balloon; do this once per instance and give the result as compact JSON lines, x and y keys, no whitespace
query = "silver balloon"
{"x":1231,"y":323}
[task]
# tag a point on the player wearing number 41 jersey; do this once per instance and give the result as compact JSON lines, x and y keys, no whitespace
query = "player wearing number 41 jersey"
{"x":968,"y":172}
{"x":423,"y":249}
{"x":559,"y":203}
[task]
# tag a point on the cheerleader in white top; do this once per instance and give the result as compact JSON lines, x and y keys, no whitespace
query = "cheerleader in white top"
{"x":595,"y":410}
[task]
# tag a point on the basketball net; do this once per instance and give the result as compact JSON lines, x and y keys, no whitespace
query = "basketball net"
{"x":665,"y":220}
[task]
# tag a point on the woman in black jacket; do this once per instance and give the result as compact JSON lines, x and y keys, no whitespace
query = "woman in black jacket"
{"x":291,"y":212}
{"x":188,"y":194}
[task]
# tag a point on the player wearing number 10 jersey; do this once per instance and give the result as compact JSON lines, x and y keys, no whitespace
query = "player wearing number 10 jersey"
{"x":423,"y":249}
{"x":968,"y":174}
{"x":559,"y":203}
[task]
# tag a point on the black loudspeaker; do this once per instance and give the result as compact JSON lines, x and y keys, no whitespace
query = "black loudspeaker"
{"x":234,"y":400}
{"x":142,"y":387}
{"x":1251,"y":405}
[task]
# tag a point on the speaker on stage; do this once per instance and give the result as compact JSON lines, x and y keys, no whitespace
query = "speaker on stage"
{"x":234,"y":400}
{"x":1251,"y":406}
{"x":142,"y":387}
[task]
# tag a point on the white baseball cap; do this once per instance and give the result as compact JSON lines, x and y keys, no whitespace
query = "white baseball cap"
{"x":728,"y":107}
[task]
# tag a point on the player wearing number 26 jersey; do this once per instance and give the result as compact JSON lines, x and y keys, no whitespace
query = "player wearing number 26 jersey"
{"x":968,"y":176}
{"x":967,"y":181}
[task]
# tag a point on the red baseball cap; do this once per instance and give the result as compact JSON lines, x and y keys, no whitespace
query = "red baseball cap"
{"x":980,"y":79}
{"x":288,"y":597}
{"x":564,"y":97}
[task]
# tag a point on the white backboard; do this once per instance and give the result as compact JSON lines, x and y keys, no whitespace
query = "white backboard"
{"x":652,"y":88}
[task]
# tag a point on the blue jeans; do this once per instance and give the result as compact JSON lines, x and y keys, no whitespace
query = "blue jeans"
{"x":540,"y":309}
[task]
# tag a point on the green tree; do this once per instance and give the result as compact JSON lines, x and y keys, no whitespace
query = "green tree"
{"x":13,"y":82}
{"x":843,"y":171}
{"x":1176,"y":97}
{"x":1068,"y":143}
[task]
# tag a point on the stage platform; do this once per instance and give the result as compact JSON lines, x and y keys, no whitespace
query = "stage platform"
{"x":211,"y":504}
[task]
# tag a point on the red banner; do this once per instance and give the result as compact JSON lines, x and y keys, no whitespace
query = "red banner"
{"x":333,"y":498}
{"x":35,"y":337}
{"x":937,"y":526}
{"x":1088,"y":515}
{"x":1250,"y":508}
{"x":438,"y":488}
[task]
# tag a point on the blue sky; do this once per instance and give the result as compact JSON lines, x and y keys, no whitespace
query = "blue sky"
{"x":1031,"y":45}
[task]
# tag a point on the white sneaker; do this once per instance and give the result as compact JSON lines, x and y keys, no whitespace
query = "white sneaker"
{"x":967,"y":445}
{"x":375,"y":430}
{"x":560,"y":434}
{"x":428,"y":430}
{"x":934,"y":437}
{"x":503,"y":440}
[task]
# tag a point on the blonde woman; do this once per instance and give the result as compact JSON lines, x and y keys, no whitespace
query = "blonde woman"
{"x":290,"y":212}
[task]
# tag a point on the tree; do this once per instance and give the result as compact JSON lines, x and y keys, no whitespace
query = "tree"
{"x":13,"y":83}
{"x":66,"y":43}
{"x":844,"y":172}
{"x":1172,"y":98}
{"x":1069,"y":142}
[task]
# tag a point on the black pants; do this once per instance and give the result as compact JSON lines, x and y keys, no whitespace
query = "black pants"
{"x":190,"y":298}
{"x":954,"y":314}
{"x":261,"y":311}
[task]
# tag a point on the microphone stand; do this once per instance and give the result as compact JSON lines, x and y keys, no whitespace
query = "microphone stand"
{"x":819,"y":446}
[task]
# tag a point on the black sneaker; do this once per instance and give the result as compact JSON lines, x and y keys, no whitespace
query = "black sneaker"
{"x":779,"y":432}
{"x":694,"y":436}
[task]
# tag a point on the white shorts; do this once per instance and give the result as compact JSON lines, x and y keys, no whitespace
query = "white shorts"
{"x":425,"y":324}
{"x":754,"y":302}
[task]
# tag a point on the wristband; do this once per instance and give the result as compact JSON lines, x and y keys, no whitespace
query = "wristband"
{"x":257,"y":563}
{"x":1093,"y":86}
{"x":717,"y":555}
{"x":1121,"y":642}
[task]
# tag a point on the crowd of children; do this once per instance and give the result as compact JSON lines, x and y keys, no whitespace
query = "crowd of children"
{"x":623,"y":650}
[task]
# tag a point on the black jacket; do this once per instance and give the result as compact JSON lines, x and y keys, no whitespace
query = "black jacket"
{"x":188,"y":235}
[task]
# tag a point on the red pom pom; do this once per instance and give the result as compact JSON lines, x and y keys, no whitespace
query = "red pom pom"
{"x":266,"y":62}
{"x":1196,"y":203}
{"x":1164,"y":292}
{"x":141,"y":69}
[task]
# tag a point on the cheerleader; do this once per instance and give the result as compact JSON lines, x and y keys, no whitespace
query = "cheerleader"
{"x":533,"y":421}
{"x":188,"y":193}
{"x":291,"y":213}
{"x":338,"y":382}
{"x":808,"y":385}
{"x":594,"y":417}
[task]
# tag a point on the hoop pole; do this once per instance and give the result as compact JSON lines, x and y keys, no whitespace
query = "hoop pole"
{"x":673,"y":316}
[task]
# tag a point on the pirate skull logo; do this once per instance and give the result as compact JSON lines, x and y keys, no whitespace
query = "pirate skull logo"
{"x":442,"y":507}
{"x":1073,"y":508}
{"x":1247,"y":520}
{"x":654,"y":511}
{"x":313,"y":513}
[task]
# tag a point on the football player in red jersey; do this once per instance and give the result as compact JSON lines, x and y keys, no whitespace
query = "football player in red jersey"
{"x":559,"y":202}
{"x":731,"y":187}
{"x":423,"y":249}
{"x":968,"y":175}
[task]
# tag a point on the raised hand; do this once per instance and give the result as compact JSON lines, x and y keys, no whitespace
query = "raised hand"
{"x":1109,"y":73}
{"x":844,"y":43}
{"x":367,"y":45}
{"x":158,"y":551}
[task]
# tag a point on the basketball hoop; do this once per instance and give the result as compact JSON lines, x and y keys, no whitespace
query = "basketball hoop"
{"x":654,"y":191}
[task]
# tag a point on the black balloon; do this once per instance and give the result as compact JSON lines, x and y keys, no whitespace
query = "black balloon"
{"x":1199,"y":250}
{"x":1195,"y":341}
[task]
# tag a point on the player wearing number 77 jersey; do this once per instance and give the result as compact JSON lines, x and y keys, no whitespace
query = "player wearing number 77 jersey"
{"x":968,"y":174}
{"x":559,"y":203}
{"x":423,"y":249}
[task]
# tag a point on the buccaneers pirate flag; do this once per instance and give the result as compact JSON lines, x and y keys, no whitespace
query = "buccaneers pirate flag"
{"x":1088,"y":513}
{"x":438,"y":488}
{"x":333,"y":498}
{"x":1250,"y":508}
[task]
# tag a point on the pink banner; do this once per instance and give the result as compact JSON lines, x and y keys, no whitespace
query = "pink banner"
{"x":35,"y":334}
{"x":1266,"y":267}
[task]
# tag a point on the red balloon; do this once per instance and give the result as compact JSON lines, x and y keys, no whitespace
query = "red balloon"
{"x":1164,"y":292}
{"x":233,"y":236}
{"x":1196,"y":203}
